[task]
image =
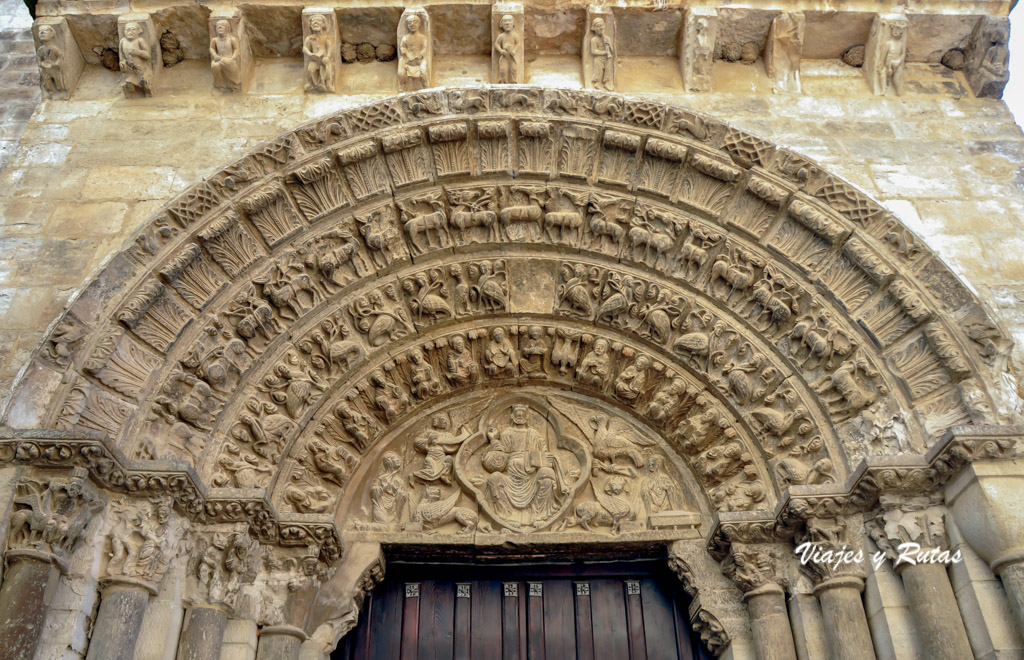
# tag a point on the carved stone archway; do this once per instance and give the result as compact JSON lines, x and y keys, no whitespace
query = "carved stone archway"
{"x":332,"y":310}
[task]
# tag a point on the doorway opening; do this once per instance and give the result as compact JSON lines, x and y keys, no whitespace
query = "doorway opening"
{"x":610,"y":610}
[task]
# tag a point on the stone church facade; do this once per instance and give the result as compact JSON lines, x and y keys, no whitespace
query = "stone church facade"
{"x":299,"y":291}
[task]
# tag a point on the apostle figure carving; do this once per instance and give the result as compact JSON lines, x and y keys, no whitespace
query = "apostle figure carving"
{"x":413,"y":67}
{"x":51,"y":63}
{"x":507,"y":47}
{"x":600,"y":54}
{"x":224,"y":58}
{"x":136,"y":61}
{"x":317,"y":48}
{"x":527,"y":483}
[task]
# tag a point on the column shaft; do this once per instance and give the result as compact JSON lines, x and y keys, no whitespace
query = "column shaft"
{"x":202,"y":633}
{"x":1012,"y":576}
{"x":769,"y":622}
{"x":24,"y":598}
{"x":279,"y":643}
{"x":846,"y":624}
{"x":932,"y":603}
{"x":118,"y":622}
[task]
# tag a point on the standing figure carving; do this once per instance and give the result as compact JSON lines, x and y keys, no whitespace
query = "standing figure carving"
{"x":886,"y":54}
{"x":51,"y":63}
{"x":414,"y":55}
{"x":388,"y":494}
{"x":136,"y":61}
{"x":599,"y":56}
{"x":225,"y":54}
{"x":318,"y":48}
{"x":507,"y":48}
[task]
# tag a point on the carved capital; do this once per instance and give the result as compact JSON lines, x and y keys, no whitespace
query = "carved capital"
{"x":143,"y":538}
{"x":222,"y":562}
{"x":753,"y":566}
{"x":831,"y":548}
{"x":49,"y":515}
{"x":899,"y":520}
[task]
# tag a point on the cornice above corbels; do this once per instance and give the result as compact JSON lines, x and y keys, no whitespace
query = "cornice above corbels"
{"x":93,"y":455}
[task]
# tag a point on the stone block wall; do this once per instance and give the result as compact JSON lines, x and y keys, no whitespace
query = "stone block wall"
{"x":89,"y":171}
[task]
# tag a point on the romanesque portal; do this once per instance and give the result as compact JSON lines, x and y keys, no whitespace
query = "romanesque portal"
{"x":510,"y":320}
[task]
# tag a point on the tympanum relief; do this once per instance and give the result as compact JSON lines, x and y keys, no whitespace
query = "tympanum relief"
{"x":519,"y":464}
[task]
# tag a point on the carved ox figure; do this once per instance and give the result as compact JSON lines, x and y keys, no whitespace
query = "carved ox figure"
{"x":645,"y":240}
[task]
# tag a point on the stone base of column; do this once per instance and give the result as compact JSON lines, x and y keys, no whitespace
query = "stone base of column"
{"x":280,"y":643}
{"x":846,"y":623}
{"x":119,"y":620}
{"x":769,"y":622}
{"x":202,"y":633}
{"x":24,"y":597}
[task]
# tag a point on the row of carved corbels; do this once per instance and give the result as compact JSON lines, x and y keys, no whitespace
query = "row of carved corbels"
{"x":61,"y":62}
{"x":93,"y":457}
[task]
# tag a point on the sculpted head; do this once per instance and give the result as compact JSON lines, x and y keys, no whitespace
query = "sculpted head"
{"x":46,"y":33}
{"x":132,"y":30}
{"x":520,"y":414}
{"x":412,"y":23}
{"x":597,"y":27}
{"x":458,"y":343}
{"x":317,"y":23}
{"x":507,"y":23}
{"x":223,"y":28}
{"x":601,"y":346}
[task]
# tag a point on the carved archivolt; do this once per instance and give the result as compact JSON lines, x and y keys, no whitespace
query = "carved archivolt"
{"x":282,"y":322}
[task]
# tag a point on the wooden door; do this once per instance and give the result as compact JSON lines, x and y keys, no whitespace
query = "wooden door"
{"x":616,"y":611}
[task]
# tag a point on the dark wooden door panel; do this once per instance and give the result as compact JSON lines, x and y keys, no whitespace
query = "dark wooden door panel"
{"x":531,"y":612}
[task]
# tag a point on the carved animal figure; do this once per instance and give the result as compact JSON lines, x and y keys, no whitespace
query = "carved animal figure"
{"x":792,"y":471}
{"x":777,"y":422}
{"x":645,"y":240}
{"x":427,"y":302}
{"x":736,"y":271}
{"x":521,"y":214}
{"x":564,"y":223}
{"x":779,"y":306}
{"x":601,"y":228}
{"x":378,"y":234}
{"x":575,"y":293}
{"x":476,"y":217}
{"x":341,"y":353}
{"x":431,"y":224}
{"x":611,"y":508}
{"x":694,"y":250}
{"x":434,"y":512}
{"x":848,"y":390}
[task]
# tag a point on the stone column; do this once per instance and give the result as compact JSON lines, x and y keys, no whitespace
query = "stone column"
{"x":845,"y":622}
{"x":36,"y":554}
{"x":119,"y":620}
{"x":839,"y":586}
{"x":280,"y":643}
{"x":808,"y":627}
{"x":755,"y":568}
{"x":920,"y":520}
{"x":202,"y":633}
{"x":986,"y":499}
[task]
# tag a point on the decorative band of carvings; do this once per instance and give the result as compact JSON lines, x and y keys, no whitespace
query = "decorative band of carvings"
{"x":109,"y":469}
{"x":912,"y":474}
